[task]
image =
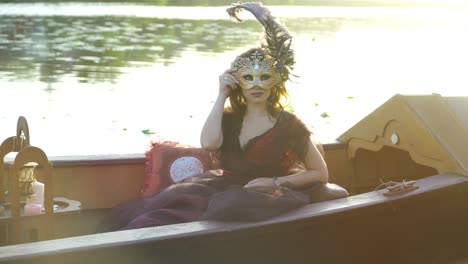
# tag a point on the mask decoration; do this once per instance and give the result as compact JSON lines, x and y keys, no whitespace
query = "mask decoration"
{"x":256,"y":70}
{"x":276,"y":48}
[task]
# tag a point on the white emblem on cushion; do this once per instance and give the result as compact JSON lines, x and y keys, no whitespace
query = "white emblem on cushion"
{"x":185,"y":167}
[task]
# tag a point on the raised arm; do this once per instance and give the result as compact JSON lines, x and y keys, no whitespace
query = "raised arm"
{"x":211,"y":136}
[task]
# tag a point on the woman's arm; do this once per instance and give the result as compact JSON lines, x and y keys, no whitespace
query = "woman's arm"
{"x":211,"y":136}
{"x":316,"y":171}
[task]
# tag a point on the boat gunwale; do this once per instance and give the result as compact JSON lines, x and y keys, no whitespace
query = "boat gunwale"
{"x":204,"y":228}
{"x":128,"y":158}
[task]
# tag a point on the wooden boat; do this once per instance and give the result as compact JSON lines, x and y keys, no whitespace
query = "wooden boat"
{"x":420,"y":141}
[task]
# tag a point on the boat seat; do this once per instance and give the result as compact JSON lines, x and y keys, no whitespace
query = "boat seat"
{"x":163,"y":155}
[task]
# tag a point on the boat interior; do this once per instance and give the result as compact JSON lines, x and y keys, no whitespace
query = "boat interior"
{"x":411,"y":145}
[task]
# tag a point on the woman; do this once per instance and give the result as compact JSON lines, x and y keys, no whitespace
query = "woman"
{"x":255,"y":86}
{"x":250,"y":132}
{"x":258,"y":144}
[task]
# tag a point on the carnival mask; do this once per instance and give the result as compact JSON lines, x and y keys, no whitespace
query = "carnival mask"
{"x":256,"y":70}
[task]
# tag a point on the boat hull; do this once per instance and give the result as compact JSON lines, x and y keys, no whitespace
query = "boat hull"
{"x":425,"y":225}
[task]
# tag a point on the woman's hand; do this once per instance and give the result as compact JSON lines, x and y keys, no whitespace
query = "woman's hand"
{"x":211,"y":137}
{"x":258,"y":182}
{"x":227,"y":83}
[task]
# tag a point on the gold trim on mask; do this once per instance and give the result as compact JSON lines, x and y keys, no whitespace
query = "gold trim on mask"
{"x":252,"y":71}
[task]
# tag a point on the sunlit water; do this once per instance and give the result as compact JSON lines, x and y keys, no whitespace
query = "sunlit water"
{"x":91,"y":77}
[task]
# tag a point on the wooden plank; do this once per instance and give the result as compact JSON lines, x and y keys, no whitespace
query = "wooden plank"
{"x":6,"y":147}
{"x":182,"y":233}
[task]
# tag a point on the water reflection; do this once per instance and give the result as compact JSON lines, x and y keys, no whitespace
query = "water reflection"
{"x":98,"y":49}
{"x":92,"y":74}
{"x":95,"y":49}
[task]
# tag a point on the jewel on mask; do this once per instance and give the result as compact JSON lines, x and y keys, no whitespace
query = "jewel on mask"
{"x":255,"y":69}
{"x":257,"y":58}
{"x":256,"y":61}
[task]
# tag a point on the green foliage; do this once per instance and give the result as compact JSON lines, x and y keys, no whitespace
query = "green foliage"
{"x":147,"y":132}
{"x":91,"y":52}
{"x":172,"y":2}
{"x":229,"y":2}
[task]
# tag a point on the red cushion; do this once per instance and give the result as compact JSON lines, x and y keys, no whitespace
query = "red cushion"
{"x":168,"y":162}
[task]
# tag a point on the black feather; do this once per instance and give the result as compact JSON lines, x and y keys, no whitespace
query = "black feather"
{"x":277,"y":40}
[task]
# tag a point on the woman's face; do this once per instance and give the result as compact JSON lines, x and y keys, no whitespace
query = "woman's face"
{"x":256,"y":94}
{"x":256,"y":74}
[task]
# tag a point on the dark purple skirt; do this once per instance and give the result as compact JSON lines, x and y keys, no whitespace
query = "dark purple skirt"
{"x":204,"y":197}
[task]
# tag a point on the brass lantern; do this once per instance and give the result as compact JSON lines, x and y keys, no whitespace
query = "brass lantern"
{"x":26,"y":178}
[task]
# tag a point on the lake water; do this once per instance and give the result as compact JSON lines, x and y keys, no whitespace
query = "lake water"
{"x":91,"y":77}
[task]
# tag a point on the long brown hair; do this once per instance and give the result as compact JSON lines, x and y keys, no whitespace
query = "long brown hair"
{"x":276,"y":102}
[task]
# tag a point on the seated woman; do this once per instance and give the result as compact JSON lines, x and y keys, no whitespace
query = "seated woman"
{"x":257,"y":142}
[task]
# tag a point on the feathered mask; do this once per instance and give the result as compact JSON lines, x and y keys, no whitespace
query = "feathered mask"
{"x":276,"y":40}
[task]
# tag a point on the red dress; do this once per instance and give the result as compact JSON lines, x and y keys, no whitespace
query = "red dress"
{"x":220,"y":194}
